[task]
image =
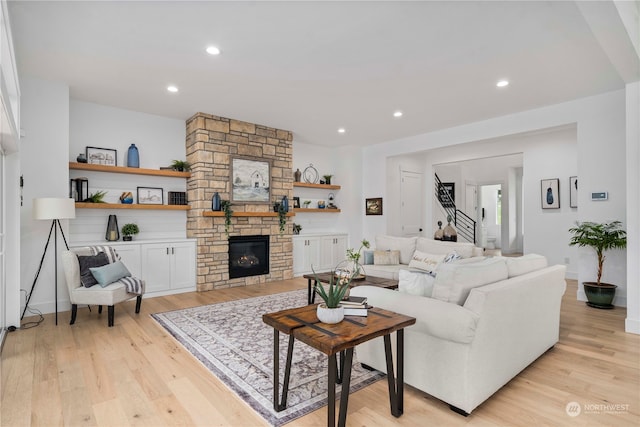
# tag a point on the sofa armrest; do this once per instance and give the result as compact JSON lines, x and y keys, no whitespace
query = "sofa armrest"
{"x":433,"y":317}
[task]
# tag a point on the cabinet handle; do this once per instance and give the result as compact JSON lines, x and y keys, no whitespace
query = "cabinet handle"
{"x":173,"y":251}
{"x":167,"y":251}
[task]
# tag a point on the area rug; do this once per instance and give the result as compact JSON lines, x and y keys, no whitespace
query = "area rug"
{"x":231,"y":340}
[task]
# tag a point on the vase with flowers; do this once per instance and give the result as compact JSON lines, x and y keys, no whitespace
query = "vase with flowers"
{"x":356,"y":269}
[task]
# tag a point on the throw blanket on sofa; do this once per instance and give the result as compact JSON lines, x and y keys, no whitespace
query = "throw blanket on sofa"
{"x":132,"y":284}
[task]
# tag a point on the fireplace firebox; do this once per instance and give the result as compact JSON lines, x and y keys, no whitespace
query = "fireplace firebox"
{"x":248,"y":256}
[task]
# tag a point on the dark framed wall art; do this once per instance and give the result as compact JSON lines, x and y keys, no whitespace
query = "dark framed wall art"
{"x":550,"y":193}
{"x":102,"y":156}
{"x":447,"y":194}
{"x":150,"y":196}
{"x":373,"y":206}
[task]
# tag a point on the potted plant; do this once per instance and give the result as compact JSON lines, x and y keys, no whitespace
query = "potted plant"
{"x":330,"y":310}
{"x":128,"y":230}
{"x":296,"y":228}
{"x":354,"y":257}
{"x":327,"y":179}
{"x":97,"y":197}
{"x":601,"y":237}
{"x":282,"y":217}
{"x":180,"y":166}
{"x":306,"y":204}
{"x":226,"y":208}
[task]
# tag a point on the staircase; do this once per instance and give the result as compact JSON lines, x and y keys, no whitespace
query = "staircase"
{"x":465,"y":226}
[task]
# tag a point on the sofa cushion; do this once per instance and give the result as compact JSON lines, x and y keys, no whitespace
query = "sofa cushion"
{"x":110,"y":273}
{"x":518,"y":266}
{"x":454,"y":281}
{"x":425,"y":261}
{"x":464,"y":249}
{"x":90,"y":261}
{"x":367,"y":257}
{"x":419,"y":283}
{"x":386,"y":257}
{"x":406,"y":246}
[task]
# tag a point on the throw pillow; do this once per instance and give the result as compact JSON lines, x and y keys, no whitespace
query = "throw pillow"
{"x":451,"y":257}
{"x":425,"y":261}
{"x":417,"y":283}
{"x":367,"y":257}
{"x":406,"y":246}
{"x":464,"y":249}
{"x":386,"y":257}
{"x":90,"y":261}
{"x":110,"y":273}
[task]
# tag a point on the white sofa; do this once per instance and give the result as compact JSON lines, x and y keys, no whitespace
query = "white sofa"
{"x":462,"y":348}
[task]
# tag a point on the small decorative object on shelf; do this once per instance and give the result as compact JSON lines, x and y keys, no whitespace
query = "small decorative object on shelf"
{"x":449,"y":233}
{"x":133,"y":158}
{"x":215,"y":202}
{"x":79,"y":189}
{"x":296,"y":202}
{"x":297,"y":175}
{"x":285,"y":204}
{"x":128,"y":230}
{"x":82,"y":158}
{"x":296,"y":228}
{"x":97,"y":197}
{"x":228,"y":212}
{"x":306,"y":204}
{"x":310,"y":174}
{"x":112,"y":233}
{"x":439,"y":233}
{"x":276,"y":206}
{"x":126,"y":197}
{"x":331,"y":205}
{"x":177,"y":198}
{"x":327,"y":179}
{"x":180,"y":166}
{"x":320,"y":204}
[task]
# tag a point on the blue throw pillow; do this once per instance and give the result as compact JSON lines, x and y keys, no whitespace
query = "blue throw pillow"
{"x":110,"y":273}
{"x":368,"y":257}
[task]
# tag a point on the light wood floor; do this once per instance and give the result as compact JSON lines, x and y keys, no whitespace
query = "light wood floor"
{"x":135,"y":374}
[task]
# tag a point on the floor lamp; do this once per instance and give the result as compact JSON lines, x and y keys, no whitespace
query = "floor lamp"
{"x":54,"y":209}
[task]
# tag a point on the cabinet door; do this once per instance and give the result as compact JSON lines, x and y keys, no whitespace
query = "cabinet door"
{"x":334,"y":250}
{"x":130,"y":256}
{"x":306,"y":255}
{"x":313,"y":255}
{"x":340,"y":248}
{"x":183,"y":265}
{"x":156,"y":266}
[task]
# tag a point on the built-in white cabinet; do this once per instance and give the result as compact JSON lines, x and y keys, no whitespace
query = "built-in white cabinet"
{"x":318,"y":252}
{"x":167,"y":266}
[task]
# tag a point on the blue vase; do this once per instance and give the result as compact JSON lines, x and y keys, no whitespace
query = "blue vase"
{"x":285,"y":204}
{"x":215,"y":202}
{"x":549,"y":196}
{"x":133,"y":158}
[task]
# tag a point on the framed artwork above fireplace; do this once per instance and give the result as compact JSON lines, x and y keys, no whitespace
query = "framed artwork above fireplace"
{"x":250,"y":180}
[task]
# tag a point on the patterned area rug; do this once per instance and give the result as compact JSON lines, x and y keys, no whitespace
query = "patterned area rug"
{"x":231,"y":340}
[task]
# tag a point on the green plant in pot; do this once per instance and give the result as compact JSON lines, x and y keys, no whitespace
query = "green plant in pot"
{"x":282,"y":218}
{"x":180,"y":166}
{"x":601,"y":237}
{"x":97,"y":197}
{"x":330,"y":310}
{"x":228,"y":212}
{"x":128,"y":231}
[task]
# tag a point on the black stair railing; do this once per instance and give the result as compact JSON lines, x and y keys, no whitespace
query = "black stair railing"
{"x":465,"y":226}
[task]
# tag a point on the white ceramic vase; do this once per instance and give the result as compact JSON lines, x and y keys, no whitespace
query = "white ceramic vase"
{"x":330,"y":315}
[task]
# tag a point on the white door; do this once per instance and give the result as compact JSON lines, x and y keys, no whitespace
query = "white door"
{"x":411,"y":198}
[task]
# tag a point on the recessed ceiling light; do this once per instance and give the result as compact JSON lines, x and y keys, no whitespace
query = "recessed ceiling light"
{"x":502,"y":83}
{"x":397,"y":114}
{"x":342,"y":130}
{"x":172,"y":89}
{"x":212,"y":50}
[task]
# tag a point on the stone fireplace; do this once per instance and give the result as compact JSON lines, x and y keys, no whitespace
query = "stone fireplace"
{"x":248,"y":256}
{"x":211,"y":143}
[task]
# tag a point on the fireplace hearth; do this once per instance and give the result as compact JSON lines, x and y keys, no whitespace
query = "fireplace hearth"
{"x":248,"y":256}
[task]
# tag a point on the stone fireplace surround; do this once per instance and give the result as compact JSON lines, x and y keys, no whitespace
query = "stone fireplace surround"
{"x":211,"y":142}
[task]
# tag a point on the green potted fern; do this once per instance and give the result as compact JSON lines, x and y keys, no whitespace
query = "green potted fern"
{"x":601,"y":237}
{"x":128,"y":231}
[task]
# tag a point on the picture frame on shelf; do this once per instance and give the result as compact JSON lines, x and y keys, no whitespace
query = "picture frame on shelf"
{"x":296,"y":202}
{"x":373,"y":206}
{"x":550,"y":193}
{"x":250,"y":180}
{"x":102,"y":156}
{"x":150,"y":196}
{"x":573,"y":191}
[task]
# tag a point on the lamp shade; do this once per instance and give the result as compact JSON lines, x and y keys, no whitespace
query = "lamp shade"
{"x":54,"y":208}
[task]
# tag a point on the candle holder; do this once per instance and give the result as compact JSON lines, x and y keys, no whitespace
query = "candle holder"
{"x":112,"y":234}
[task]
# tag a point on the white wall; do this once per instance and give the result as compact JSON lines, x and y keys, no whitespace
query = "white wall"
{"x":600,"y":161}
{"x":44,"y":156}
{"x":160,"y":140}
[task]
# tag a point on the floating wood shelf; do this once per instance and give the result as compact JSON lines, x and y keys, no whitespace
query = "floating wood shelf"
{"x":253,"y":214}
{"x":133,"y":171}
{"x":309,"y":210}
{"x":82,"y":205}
{"x":323,"y":186}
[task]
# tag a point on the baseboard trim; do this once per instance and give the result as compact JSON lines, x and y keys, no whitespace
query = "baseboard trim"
{"x":632,"y":326}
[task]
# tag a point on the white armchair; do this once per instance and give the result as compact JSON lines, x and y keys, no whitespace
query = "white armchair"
{"x":108,"y":295}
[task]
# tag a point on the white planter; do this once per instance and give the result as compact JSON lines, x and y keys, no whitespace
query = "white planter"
{"x":330,"y":315}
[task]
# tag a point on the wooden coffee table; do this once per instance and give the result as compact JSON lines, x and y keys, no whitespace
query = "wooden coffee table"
{"x":302,"y":324}
{"x":312,"y":279}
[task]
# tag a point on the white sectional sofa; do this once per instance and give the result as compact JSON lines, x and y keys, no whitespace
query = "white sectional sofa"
{"x":482,"y":322}
{"x":406,"y":247}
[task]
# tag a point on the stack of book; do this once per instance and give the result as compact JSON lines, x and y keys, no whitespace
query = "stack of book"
{"x":355,"y":306}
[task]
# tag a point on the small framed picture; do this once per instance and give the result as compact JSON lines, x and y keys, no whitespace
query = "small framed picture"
{"x":102,"y":156}
{"x":573,"y":191}
{"x":550,"y":193}
{"x":150,"y":196}
{"x":447,"y":194}
{"x":373,"y":206}
{"x":296,"y":202}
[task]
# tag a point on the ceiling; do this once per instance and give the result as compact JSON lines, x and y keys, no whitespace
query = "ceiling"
{"x":312,"y":67}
